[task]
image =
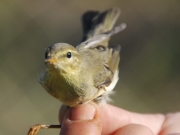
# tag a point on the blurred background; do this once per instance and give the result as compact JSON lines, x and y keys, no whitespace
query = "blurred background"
{"x":149,"y":68}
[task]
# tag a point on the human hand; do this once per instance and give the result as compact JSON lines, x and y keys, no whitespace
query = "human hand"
{"x":90,"y":119}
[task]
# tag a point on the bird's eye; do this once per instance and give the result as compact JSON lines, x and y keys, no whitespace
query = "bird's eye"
{"x":46,"y":55}
{"x":47,"y":52}
{"x":69,"y":55}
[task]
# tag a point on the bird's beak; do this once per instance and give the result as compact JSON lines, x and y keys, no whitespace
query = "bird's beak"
{"x":51,"y":60}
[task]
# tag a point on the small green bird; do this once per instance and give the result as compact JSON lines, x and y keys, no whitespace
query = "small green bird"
{"x":88,"y":72}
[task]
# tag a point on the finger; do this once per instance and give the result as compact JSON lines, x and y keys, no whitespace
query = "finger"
{"x":62,"y":112}
{"x":134,"y":129}
{"x":171,"y":125}
{"x":114,"y":118}
{"x":82,"y":120}
{"x":173,"y":134}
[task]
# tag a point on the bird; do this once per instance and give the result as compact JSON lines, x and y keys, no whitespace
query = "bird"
{"x":89,"y":71}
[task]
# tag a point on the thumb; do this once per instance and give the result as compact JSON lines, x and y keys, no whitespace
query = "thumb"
{"x":81,"y":120}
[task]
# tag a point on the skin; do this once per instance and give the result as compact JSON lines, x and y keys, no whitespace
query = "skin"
{"x":88,"y":119}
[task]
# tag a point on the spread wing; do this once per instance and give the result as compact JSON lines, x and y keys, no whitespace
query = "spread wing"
{"x":98,"y":28}
{"x":110,"y":56}
{"x":95,"y":23}
{"x":99,"y":40}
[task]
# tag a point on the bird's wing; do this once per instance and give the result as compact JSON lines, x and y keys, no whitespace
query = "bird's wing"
{"x":98,"y":40}
{"x":110,"y":72}
{"x":96,"y":23}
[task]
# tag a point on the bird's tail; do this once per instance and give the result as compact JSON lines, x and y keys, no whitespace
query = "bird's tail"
{"x":96,"y":23}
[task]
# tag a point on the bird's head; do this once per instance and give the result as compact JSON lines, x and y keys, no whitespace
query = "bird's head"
{"x":61,"y":57}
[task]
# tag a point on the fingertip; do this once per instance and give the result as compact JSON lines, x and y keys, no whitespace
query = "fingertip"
{"x":62,"y":111}
{"x":134,"y":129}
{"x":83,"y":112}
{"x":81,"y":120}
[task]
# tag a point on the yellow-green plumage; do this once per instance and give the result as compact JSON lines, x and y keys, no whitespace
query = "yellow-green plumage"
{"x":89,"y":71}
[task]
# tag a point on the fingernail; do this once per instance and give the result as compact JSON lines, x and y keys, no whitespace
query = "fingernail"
{"x":83,"y":112}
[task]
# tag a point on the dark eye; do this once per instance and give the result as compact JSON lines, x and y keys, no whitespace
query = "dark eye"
{"x":46,"y":55}
{"x":69,"y":54}
{"x":47,"y":52}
